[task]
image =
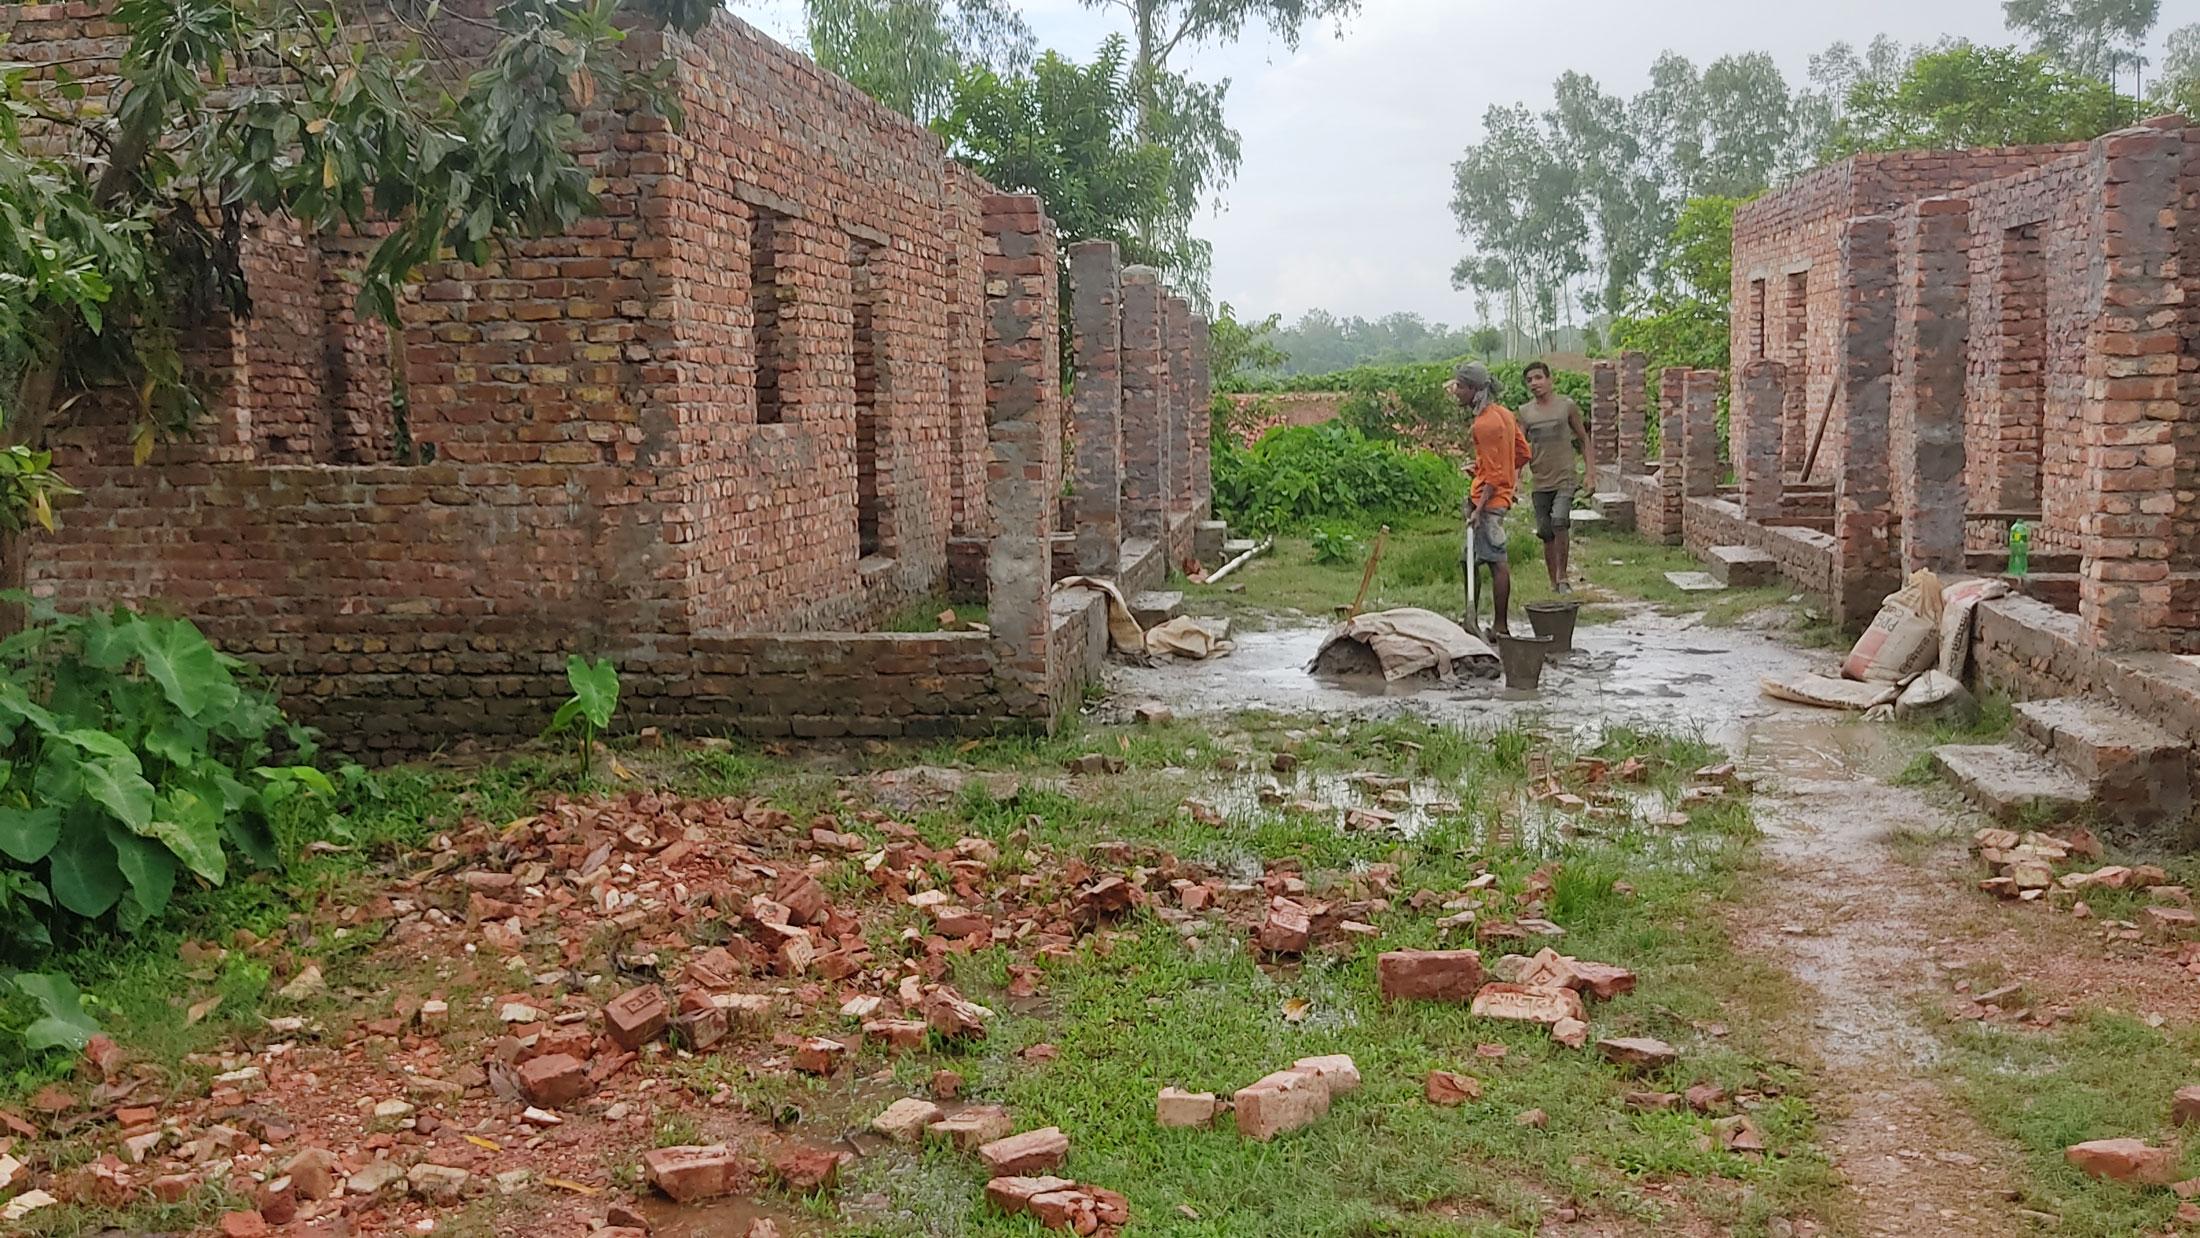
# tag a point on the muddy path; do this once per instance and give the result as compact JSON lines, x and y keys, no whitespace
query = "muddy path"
{"x":1862,"y":927}
{"x":1838,"y":907}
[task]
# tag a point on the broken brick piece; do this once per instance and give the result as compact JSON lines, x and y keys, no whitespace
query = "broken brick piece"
{"x":974,"y":1127}
{"x":951,"y":1015}
{"x":243,"y":1225}
{"x":312,"y":1173}
{"x":805,"y":900}
{"x":554,"y":1080}
{"x":1179,"y":1108}
{"x":1280,"y":1102}
{"x":806,"y":1170}
{"x":898,"y":1035}
{"x":905,"y":1120}
{"x":2184,"y":1107}
{"x":1641,"y":1052}
{"x":1429,"y":975}
{"x":1572,"y":1033}
{"x":637,"y":1016}
{"x":819,"y":1056}
{"x":691,"y":1172}
{"x":1013,"y":1193}
{"x":1527,"y":1004}
{"x":1337,"y":1072}
{"x":1446,"y":1088}
{"x":2124,"y":1160}
{"x":1027,"y":1153}
{"x":1286,"y":930}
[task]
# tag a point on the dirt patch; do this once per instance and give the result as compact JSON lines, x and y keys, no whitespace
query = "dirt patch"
{"x":1862,"y":927}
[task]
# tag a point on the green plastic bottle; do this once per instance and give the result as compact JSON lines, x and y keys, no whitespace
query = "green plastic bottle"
{"x":2020,"y":548}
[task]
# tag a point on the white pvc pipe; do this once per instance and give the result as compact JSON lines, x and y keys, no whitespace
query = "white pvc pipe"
{"x":1240,"y":561}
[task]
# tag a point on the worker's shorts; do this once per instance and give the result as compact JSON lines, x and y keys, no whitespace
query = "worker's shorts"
{"x":1487,"y":544}
{"x":1554,"y":511}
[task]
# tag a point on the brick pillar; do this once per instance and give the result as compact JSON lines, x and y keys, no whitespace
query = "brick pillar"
{"x":1757,"y":419}
{"x":1700,"y":433}
{"x":1604,"y":411}
{"x":1634,"y":411}
{"x":2138,"y":585}
{"x":1145,"y":383}
{"x":1864,"y":567}
{"x":1661,"y":522}
{"x":1023,"y":432}
{"x":1176,"y":321}
{"x":1202,"y":421}
{"x":1095,"y":311}
{"x":1932,"y":339}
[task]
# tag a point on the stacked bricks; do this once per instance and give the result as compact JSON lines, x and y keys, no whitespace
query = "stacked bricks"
{"x":1096,"y":294}
{"x":1604,"y":410}
{"x":1633,"y":412}
{"x":1699,"y":433}
{"x":1659,"y":518}
{"x":1864,"y":564}
{"x":1023,"y":412}
{"x":1758,"y":443}
{"x":1177,"y":344}
{"x":1932,"y":303}
{"x":2140,"y":582}
{"x":1145,"y":407}
{"x":1200,"y":419}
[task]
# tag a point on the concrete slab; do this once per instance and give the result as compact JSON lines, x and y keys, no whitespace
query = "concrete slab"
{"x":1695,"y":582}
{"x":1585,"y":521}
{"x":1742,"y":566}
{"x":2010,"y":783}
{"x":2138,"y":772}
{"x":1155,"y":607}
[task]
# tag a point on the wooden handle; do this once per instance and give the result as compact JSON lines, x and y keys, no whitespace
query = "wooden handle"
{"x":1368,"y":577}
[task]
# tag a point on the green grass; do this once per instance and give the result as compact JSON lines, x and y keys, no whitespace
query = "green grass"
{"x":1421,"y":568}
{"x":2105,"y":1076}
{"x":923,"y":614}
{"x":1154,"y":1010}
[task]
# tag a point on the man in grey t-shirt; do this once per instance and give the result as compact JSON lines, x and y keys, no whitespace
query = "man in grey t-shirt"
{"x":1554,"y":427}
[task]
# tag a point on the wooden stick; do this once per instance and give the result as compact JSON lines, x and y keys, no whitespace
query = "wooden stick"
{"x":1825,"y":418}
{"x":1368,"y":577}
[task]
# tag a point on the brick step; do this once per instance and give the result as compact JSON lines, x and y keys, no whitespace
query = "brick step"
{"x":1741,"y":567}
{"x":1156,"y":606}
{"x":1585,"y":520}
{"x":2137,"y":772}
{"x":1208,"y":539}
{"x":2009,"y":783}
{"x":1236,"y":546}
{"x":1615,"y":507}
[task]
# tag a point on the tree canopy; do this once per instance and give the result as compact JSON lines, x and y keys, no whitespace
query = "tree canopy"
{"x":907,"y":54}
{"x":1965,"y":96}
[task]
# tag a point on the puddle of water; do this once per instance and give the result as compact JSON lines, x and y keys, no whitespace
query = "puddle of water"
{"x":1644,"y":670}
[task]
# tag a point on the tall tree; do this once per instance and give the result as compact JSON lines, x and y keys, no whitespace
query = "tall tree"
{"x":1748,"y":119}
{"x":1070,"y":133}
{"x":1515,"y":195}
{"x":2178,"y":88}
{"x":907,"y":53}
{"x":1161,"y":28}
{"x":1967,"y":96}
{"x":2090,"y":38}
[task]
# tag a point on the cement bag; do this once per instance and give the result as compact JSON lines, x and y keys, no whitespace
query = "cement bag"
{"x":1827,"y":692}
{"x":1959,"y":617}
{"x":1904,"y":637}
{"x":1123,"y":630}
{"x":1935,"y":696}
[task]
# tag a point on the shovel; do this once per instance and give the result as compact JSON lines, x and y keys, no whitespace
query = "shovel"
{"x":1367,"y":578}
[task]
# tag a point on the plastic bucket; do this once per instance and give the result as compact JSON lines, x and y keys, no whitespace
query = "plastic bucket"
{"x":1555,"y":620}
{"x":1522,"y":657}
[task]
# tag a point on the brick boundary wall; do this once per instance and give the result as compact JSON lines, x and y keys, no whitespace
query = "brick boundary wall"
{"x":802,"y":367}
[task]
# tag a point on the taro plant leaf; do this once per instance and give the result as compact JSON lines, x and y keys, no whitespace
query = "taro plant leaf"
{"x":86,"y":877}
{"x":119,"y":785}
{"x":27,"y":834}
{"x":149,"y":868}
{"x":180,"y":658}
{"x":595,"y":689}
{"x":176,"y":739}
{"x":254,"y":835}
{"x":64,"y":1024}
{"x":191,"y":828}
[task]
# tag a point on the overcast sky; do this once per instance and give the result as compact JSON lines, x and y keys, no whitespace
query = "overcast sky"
{"x":1343,"y":200}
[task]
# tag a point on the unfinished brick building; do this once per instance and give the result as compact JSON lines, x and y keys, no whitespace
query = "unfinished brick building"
{"x":802,"y":370}
{"x":1932,"y":346}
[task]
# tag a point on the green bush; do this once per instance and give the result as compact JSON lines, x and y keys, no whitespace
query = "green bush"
{"x":133,"y":756}
{"x":1297,"y":475}
{"x":1409,"y":401}
{"x":1334,"y":545}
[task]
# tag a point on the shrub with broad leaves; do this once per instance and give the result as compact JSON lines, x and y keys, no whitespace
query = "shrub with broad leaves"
{"x":134,"y":758}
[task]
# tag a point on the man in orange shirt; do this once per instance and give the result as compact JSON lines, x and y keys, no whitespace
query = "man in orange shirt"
{"x":1500,"y":449}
